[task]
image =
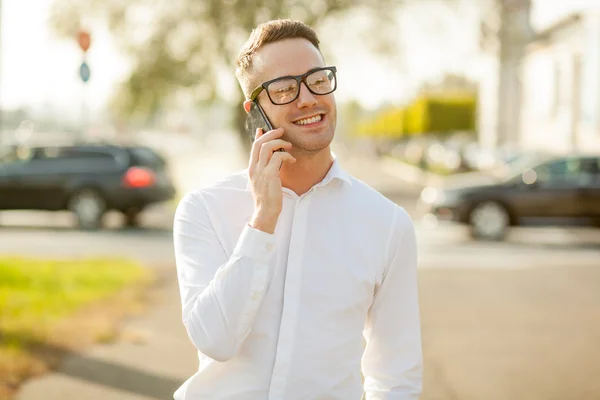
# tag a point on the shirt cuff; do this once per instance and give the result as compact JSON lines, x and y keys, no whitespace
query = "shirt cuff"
{"x":255,"y":244}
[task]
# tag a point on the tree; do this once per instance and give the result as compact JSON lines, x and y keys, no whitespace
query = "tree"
{"x":178,"y":46}
{"x":505,"y":33}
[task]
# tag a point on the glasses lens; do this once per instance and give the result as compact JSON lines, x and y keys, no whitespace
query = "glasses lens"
{"x":321,"y":82}
{"x":283,"y":90}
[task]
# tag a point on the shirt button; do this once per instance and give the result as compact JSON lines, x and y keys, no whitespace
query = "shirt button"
{"x":255,"y":296}
{"x":268,"y":246}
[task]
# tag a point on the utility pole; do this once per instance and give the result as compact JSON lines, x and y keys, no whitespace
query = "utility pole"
{"x":515,"y":32}
{"x":505,"y":32}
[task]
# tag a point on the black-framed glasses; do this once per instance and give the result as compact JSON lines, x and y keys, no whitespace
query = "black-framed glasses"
{"x":286,"y":89}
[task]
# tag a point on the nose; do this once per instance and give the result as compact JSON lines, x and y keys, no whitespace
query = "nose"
{"x":305,"y":97}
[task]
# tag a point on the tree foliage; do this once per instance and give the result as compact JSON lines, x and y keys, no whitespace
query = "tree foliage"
{"x":179,"y":46}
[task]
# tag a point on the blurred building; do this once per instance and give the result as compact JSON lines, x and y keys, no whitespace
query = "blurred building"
{"x":540,"y":83}
{"x":561,"y":86}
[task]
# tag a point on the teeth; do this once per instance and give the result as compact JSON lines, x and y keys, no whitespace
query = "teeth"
{"x":306,"y":121}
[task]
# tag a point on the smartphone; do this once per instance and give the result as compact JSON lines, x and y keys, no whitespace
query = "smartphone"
{"x":255,"y":119}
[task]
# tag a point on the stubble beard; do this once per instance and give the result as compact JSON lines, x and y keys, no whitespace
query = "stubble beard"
{"x":310,"y":148}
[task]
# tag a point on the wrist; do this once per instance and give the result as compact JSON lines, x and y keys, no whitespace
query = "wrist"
{"x":265,"y":223}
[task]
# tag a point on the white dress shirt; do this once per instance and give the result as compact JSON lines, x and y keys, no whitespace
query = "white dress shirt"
{"x":299,"y":314}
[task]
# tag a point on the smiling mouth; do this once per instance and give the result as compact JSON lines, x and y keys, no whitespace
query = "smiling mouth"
{"x":310,"y":120}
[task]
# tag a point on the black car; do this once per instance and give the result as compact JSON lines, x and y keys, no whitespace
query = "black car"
{"x":533,"y":188}
{"x":88,"y":180}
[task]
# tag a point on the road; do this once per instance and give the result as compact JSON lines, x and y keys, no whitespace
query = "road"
{"x":442,"y":246}
{"x":41,"y":234}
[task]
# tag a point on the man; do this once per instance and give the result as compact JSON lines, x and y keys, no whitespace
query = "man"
{"x":284,"y":266}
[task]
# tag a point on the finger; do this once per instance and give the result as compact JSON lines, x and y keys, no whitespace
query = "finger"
{"x":264,"y":137}
{"x":267,"y":149}
{"x":254,"y":151}
{"x":269,"y":135}
{"x":278,"y":159}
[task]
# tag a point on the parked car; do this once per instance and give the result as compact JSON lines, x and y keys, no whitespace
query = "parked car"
{"x":531,"y":188}
{"x":88,"y":180}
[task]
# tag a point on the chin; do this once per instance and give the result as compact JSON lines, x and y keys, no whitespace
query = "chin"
{"x":312,"y":145}
{"x":311,"y":141}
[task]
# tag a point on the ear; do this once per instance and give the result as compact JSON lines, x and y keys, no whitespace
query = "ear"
{"x":247,"y":105}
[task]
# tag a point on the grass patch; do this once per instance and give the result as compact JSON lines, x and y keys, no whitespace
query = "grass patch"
{"x":51,"y":307}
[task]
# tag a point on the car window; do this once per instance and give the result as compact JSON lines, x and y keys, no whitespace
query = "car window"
{"x":570,"y":171}
{"x":89,"y":161}
{"x":50,"y":160}
{"x":8,"y":157}
{"x":44,"y":153}
{"x":44,"y":161}
{"x":15,"y":156}
{"x":593,"y":170}
{"x":146,"y":157}
{"x":84,"y":154}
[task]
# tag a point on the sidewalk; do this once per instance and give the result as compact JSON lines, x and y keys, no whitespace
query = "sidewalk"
{"x":150,"y":360}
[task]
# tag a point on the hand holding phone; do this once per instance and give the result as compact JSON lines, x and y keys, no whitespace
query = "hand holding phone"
{"x":265,"y":162}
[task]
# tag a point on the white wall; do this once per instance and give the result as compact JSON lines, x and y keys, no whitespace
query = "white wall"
{"x":560,"y":109}
{"x":589,"y":126}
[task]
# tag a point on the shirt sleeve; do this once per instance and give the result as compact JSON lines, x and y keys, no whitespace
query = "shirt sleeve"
{"x":392,"y":362}
{"x":220,"y":294}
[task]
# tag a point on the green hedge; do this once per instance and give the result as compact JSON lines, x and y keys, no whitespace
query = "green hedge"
{"x":431,"y":114}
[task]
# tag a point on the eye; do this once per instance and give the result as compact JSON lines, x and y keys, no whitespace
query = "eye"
{"x":285,"y":89}
{"x":320,"y":81}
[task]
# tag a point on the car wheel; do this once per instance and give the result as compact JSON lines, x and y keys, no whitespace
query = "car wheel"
{"x":489,"y":221}
{"x":89,"y":207}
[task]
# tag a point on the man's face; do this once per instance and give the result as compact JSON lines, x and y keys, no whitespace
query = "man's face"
{"x":296,"y":57}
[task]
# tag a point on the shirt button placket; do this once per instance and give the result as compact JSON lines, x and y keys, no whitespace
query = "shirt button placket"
{"x":291,"y":300}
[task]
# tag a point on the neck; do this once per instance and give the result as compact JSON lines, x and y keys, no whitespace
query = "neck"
{"x":307,"y":171}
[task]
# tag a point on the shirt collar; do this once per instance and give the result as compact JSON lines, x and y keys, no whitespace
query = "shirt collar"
{"x":335,"y":172}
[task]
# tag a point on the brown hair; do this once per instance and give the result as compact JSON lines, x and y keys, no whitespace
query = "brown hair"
{"x":269,"y":32}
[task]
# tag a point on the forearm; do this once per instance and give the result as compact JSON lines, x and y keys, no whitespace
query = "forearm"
{"x":221,"y":291}
{"x":220,"y":317}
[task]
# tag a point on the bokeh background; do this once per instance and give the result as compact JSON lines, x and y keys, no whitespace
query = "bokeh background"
{"x":480,"y":117}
